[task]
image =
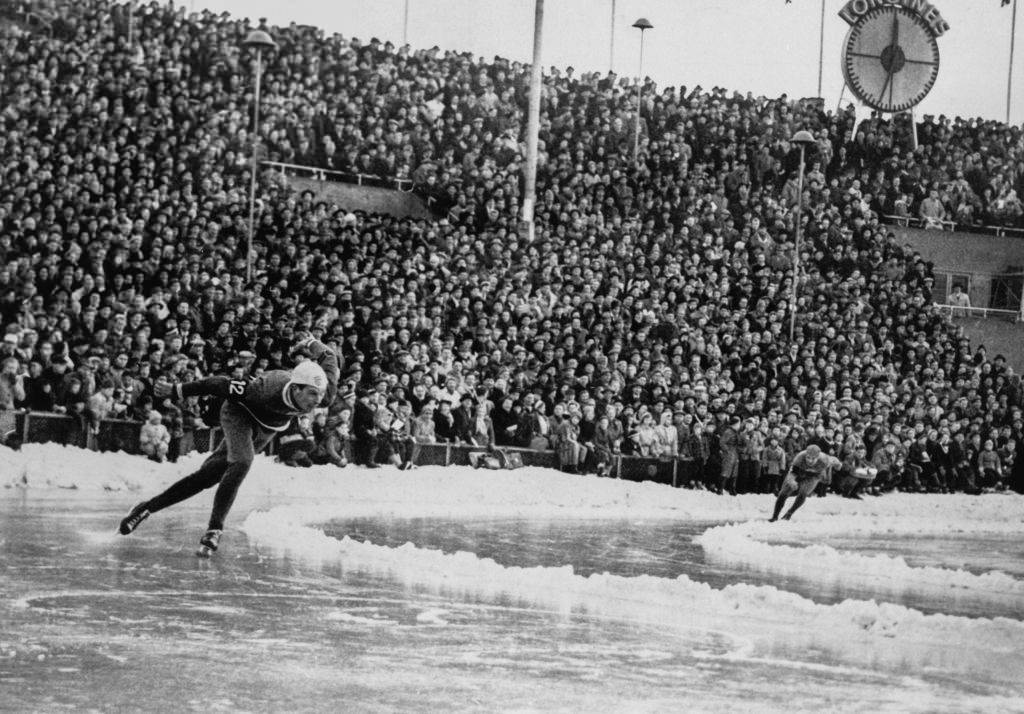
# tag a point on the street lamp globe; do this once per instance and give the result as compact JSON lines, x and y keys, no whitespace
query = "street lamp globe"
{"x":803,"y":138}
{"x":259,"y":39}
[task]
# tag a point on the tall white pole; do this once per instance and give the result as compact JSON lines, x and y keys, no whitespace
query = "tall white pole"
{"x":533,"y":121}
{"x":611,"y":46}
{"x":821,"y":47}
{"x":131,"y":21}
{"x":255,"y":166}
{"x":796,"y":251}
{"x":1009,"y":72}
{"x":639,"y":87}
{"x":405,"y":24}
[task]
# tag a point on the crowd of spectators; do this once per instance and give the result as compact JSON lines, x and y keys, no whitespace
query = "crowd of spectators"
{"x":967,"y":173}
{"x":650,"y":315}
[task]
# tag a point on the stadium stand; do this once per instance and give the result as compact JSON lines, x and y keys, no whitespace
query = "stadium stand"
{"x":656,"y":293}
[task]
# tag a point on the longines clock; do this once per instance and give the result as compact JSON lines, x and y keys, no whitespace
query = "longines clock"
{"x":891,"y":56}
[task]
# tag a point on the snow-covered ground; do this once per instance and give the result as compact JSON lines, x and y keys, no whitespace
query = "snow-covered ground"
{"x":786,"y":619}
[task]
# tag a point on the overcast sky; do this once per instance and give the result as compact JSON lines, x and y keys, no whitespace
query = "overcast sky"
{"x":763,"y":46}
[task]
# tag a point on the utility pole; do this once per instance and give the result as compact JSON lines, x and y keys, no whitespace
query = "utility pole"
{"x":533,"y":121}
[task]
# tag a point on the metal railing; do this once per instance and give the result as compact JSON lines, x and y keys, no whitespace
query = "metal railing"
{"x":666,"y":470}
{"x":985,"y":312}
{"x":321,"y":174}
{"x":933,"y":224}
{"x":112,"y":434}
{"x":123,"y":435}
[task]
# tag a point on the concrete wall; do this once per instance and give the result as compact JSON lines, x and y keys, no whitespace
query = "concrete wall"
{"x":998,"y":336}
{"x":976,"y":256}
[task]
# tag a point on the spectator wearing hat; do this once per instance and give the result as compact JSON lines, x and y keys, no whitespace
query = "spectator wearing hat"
{"x":607,"y":444}
{"x":774,"y":466}
{"x":571,"y":453}
{"x":405,"y":444}
{"x":990,"y":466}
{"x":334,"y":444}
{"x":644,"y":436}
{"x":535,"y":428}
{"x":729,"y":455}
{"x":856,"y":472}
{"x":465,"y":418}
{"x":931,"y":211}
{"x":39,"y":395}
{"x":366,"y":435}
{"x":296,"y":444}
{"x":750,"y":454}
{"x":699,"y":449}
{"x":391,"y":428}
{"x":444,"y":423}
{"x":959,"y":300}
{"x":505,"y":421}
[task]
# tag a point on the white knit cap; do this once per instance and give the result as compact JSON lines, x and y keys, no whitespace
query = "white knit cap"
{"x":311,"y":374}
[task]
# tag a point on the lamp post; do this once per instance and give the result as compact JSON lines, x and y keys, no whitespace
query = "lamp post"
{"x":405,"y":24}
{"x":533,"y":123}
{"x":258,"y":40}
{"x":611,"y":45}
{"x":131,"y":22}
{"x":1009,"y":73}
{"x":802,"y":138}
{"x":821,"y":47}
{"x":641,"y":24}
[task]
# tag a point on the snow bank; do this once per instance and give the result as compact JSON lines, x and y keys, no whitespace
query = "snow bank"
{"x":745,"y":544}
{"x":531,"y":492}
{"x":757,"y":619}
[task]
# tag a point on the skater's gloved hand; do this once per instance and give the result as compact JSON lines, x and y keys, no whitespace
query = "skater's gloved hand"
{"x":163,"y":388}
{"x":302,"y":340}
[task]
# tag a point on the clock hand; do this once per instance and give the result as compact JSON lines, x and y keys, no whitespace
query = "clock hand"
{"x":893,"y":48}
{"x":881,"y":95}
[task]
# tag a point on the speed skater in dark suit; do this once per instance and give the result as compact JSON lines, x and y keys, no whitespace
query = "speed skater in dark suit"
{"x":809,"y":467}
{"x":252,"y":413}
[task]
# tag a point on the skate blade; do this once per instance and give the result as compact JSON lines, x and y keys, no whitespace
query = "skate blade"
{"x":205,"y":551}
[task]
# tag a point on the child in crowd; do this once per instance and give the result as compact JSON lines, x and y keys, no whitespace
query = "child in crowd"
{"x":154,"y":438}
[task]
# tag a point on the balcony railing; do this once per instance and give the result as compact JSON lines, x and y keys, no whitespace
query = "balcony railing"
{"x":912,"y":222}
{"x":321,"y":174}
{"x":984,"y":312}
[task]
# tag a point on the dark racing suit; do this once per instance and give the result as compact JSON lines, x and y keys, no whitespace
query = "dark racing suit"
{"x":252,"y":413}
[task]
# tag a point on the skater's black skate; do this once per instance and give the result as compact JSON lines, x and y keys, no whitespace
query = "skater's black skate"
{"x":208,"y":543}
{"x":133,"y":519}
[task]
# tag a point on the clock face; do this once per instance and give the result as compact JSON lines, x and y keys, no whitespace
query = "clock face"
{"x":891,"y":59}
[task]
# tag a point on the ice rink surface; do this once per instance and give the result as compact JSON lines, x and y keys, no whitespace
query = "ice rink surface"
{"x":455,"y":590}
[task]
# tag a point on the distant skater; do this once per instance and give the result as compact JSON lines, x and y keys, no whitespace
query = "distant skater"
{"x":252,"y":413}
{"x":809,"y":468}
